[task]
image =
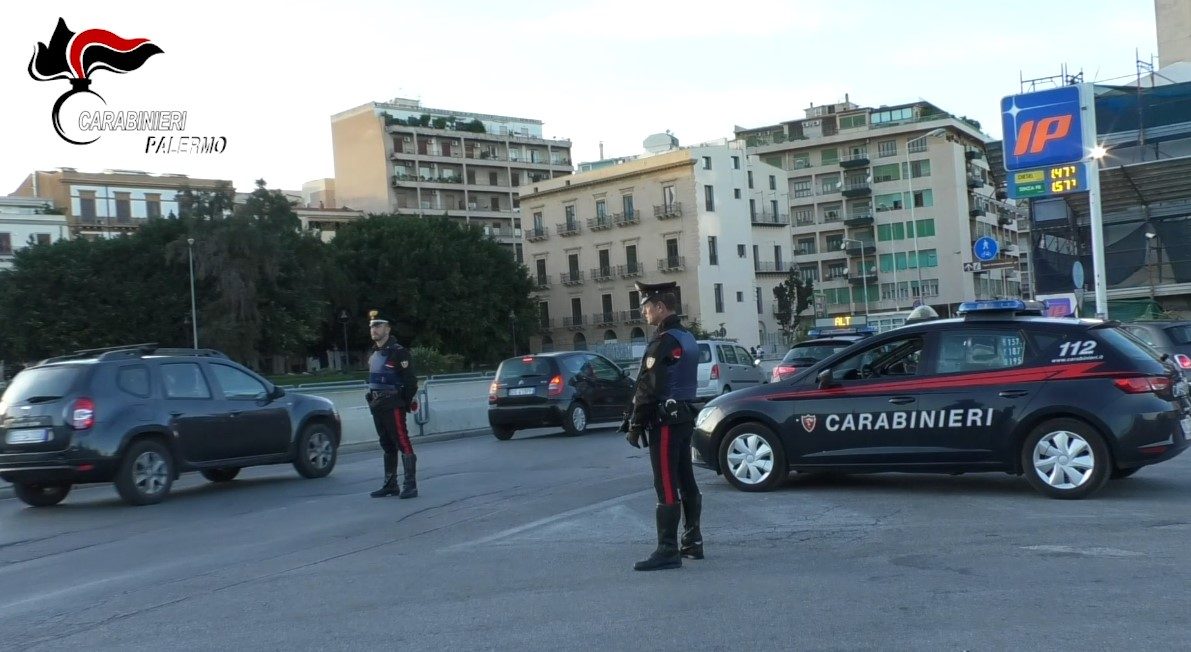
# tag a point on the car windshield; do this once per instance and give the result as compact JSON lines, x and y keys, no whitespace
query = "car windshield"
{"x":528,"y":367}
{"x":41,"y":384}
{"x":813,"y":352}
{"x":1180,"y":334}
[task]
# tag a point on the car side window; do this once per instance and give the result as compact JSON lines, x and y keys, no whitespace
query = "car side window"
{"x":973,"y":350}
{"x":1142,"y":334}
{"x":574,"y":365}
{"x":133,"y":379}
{"x":727,"y":354}
{"x":896,"y":358}
{"x":743,"y":356}
{"x":184,"y":380}
{"x":238,"y":385}
{"x":605,"y":370}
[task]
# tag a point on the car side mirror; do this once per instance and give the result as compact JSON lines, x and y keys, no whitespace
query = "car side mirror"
{"x":276,"y":393}
{"x":826,"y":379}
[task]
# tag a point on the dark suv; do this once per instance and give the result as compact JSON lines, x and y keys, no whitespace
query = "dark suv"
{"x":139,"y":416}
{"x":568,"y":389}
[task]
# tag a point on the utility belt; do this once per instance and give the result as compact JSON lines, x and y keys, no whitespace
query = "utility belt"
{"x":675,"y":412}
{"x":385,"y":399}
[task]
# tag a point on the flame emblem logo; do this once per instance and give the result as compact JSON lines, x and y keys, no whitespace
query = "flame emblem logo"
{"x":78,"y":56}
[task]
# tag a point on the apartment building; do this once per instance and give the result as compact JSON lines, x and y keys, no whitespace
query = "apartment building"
{"x":106,"y":204}
{"x":401,"y":157}
{"x":886,"y":204}
{"x":675,"y":214}
{"x":28,"y":221}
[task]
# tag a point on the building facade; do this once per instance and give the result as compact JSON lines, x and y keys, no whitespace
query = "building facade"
{"x":886,"y":204}
{"x":680,"y":215}
{"x":106,"y":204}
{"x":401,"y":157}
{"x":28,"y":221}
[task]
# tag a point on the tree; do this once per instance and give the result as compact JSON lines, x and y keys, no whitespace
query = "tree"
{"x":794,"y":296}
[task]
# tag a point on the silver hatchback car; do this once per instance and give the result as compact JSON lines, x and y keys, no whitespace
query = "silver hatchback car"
{"x":725,"y":366}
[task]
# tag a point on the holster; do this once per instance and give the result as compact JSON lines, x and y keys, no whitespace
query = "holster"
{"x":385,"y":400}
{"x":674,"y":412}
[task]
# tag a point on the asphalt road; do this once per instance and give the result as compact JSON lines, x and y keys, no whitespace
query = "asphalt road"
{"x":528,"y":544}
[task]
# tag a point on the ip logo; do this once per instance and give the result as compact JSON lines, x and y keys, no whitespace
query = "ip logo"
{"x":1043,"y":128}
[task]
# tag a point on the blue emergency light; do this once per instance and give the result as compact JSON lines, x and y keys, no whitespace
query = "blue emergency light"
{"x":1010,"y":306}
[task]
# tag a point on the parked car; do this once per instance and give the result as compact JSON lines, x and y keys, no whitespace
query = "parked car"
{"x":1170,"y":337}
{"x":725,"y":366}
{"x":569,"y":389}
{"x":823,"y":343}
{"x":139,"y":416}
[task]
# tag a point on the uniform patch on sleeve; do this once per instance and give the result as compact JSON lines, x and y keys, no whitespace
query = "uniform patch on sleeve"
{"x":676,"y":353}
{"x":649,"y":362}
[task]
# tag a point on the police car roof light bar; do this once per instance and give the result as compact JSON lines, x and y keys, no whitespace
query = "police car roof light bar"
{"x":1001,"y":308}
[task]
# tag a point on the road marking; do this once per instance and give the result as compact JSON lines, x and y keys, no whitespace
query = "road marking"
{"x":548,"y":520}
{"x":1086,"y":552}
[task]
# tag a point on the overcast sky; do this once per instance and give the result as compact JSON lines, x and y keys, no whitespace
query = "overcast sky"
{"x":268,"y":76}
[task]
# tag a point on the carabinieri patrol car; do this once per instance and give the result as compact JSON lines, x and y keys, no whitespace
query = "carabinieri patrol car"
{"x":1068,"y":403}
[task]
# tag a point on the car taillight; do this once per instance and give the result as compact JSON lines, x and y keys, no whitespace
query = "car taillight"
{"x":1143,"y":384}
{"x":715,"y":372}
{"x":555,"y":388}
{"x":82,"y":414}
{"x":492,"y":392}
{"x":1183,"y":360}
{"x":782,"y":371}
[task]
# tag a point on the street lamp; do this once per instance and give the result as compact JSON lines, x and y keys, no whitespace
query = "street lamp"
{"x":1150,"y":245}
{"x":933,"y":133}
{"x":513,"y":328}
{"x":193,"y":311}
{"x":863,"y":269}
{"x":1096,"y":155}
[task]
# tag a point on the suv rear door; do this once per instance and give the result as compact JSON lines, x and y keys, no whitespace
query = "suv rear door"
{"x":200,"y":421}
{"x":256,"y":424}
{"x":33,"y":408}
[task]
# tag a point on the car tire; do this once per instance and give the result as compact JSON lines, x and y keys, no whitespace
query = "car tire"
{"x":316,"y":451}
{"x":574,"y":422}
{"x":503,"y":433}
{"x":146,"y":473}
{"x":41,"y":495}
{"x":226,"y":474}
{"x":1121,"y":474}
{"x":1066,"y":458}
{"x":752,"y":458}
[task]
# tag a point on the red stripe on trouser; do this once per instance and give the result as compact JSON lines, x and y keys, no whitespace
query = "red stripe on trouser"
{"x":664,"y":464}
{"x":402,"y":433}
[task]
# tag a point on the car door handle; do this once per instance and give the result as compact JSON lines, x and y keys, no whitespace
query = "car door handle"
{"x":1012,"y":393}
{"x":902,"y":400}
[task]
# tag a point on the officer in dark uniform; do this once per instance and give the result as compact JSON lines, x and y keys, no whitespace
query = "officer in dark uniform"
{"x":392,"y":386}
{"x":662,"y":418}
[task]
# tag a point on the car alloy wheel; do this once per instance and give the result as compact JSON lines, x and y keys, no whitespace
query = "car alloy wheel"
{"x":1064,"y":460}
{"x":319,"y":450}
{"x":750,"y":459}
{"x":150,"y":473}
{"x":579,"y":419}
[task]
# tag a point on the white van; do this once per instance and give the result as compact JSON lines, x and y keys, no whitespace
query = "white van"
{"x":725,"y":366}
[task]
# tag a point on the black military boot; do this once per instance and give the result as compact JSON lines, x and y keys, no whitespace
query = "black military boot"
{"x":390,"y":486}
{"x":409,"y":488}
{"x":692,"y":538}
{"x":667,"y":554}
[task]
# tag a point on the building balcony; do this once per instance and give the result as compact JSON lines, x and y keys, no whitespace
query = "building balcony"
{"x":833,"y":217}
{"x":829,"y":189}
{"x":867,"y":249}
{"x":860,"y":218}
{"x":973,"y":154}
{"x":546,"y":323}
{"x":805,"y":251}
{"x":574,"y":322}
{"x":804,"y":221}
{"x":602,"y":274}
{"x":975,"y":182}
{"x":626,"y":219}
{"x":573,"y":277}
{"x":976,"y":212}
{"x":599,"y":223}
{"x":857,"y":189}
{"x":537,"y":234}
{"x":567,"y":229}
{"x":1006,"y":220}
{"x":772,"y":267}
{"x":541,"y":281}
{"x":604,"y":318}
{"x":857,"y":277}
{"x":852,"y":161}
{"x":672,"y":264}
{"x":668,"y":211}
{"x":765,"y":218}
{"x":630,"y":270}
{"x":633,"y":316}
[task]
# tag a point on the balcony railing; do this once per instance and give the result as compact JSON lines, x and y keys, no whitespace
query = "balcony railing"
{"x":831,"y":217}
{"x":975,"y":181}
{"x":672,"y":264}
{"x":546,"y":323}
{"x":625,"y":219}
{"x":599,"y":223}
{"x":603,"y":318}
{"x":804,"y":220}
{"x":574,"y":322}
{"x":535,"y":234}
{"x":668,"y":211}
{"x":857,"y":188}
{"x":765,"y":218}
{"x":541,"y":281}
{"x":633,"y":316}
{"x":859,"y":218}
{"x":859,"y":159}
{"x":772,"y":267}
{"x":866,"y":249}
{"x":858,"y":277}
{"x":573,"y":277}
{"x":602,"y":274}
{"x":567,"y":229}
{"x":630,"y":270}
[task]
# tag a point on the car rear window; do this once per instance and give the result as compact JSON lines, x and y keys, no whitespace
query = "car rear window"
{"x":42,"y":383}
{"x":1128,"y":345}
{"x":813,"y":352}
{"x":525,"y":368}
{"x":1180,"y":335}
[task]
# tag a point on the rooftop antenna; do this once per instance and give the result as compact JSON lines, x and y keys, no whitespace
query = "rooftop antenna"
{"x":601,"y":150}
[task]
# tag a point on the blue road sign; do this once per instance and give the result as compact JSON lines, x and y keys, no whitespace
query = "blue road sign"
{"x":986,"y":248}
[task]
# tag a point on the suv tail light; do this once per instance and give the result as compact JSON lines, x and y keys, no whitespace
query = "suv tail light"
{"x":555,"y":388}
{"x":715,"y":372}
{"x":1142,"y":384}
{"x":1183,"y":360}
{"x":82,"y":414}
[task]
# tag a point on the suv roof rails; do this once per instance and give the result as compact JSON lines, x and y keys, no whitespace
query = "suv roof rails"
{"x":211,"y":353}
{"x":104,"y":353}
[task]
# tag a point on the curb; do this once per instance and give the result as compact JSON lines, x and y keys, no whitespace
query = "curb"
{"x":354,"y":447}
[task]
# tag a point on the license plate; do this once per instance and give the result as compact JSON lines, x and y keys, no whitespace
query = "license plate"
{"x":521,"y":391}
{"x":27,"y":436}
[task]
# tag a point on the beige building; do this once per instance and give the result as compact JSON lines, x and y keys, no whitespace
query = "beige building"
{"x":676,"y":215}
{"x":1173,"y":19}
{"x":105,"y":204}
{"x":319,"y":193}
{"x":401,"y":157}
{"x":886,"y":205}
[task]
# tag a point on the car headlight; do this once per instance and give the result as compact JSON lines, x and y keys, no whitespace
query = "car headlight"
{"x":704,"y":415}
